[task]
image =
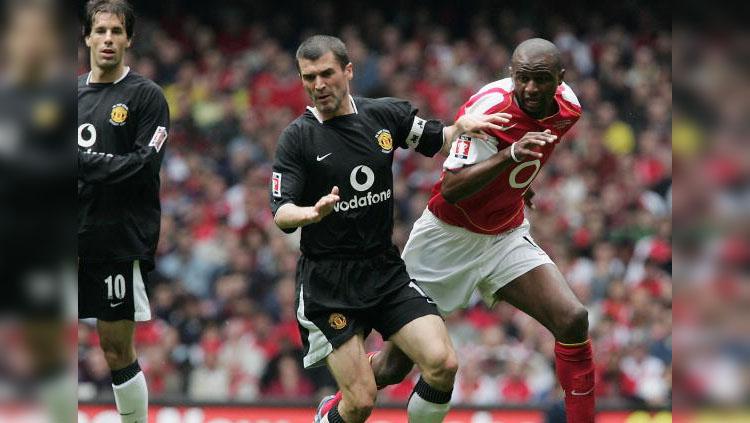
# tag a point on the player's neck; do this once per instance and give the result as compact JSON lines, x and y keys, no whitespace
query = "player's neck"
{"x":103,"y":76}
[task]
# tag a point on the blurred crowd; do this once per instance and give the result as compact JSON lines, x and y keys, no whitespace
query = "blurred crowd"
{"x":712,"y":216}
{"x":223,"y":292}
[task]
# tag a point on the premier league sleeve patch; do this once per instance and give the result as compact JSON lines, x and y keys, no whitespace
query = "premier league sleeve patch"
{"x":159,"y":137}
{"x":467,"y":150}
{"x":276,"y":184}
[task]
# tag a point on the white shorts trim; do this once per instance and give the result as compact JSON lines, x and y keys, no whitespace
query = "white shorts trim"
{"x":450,"y":263}
{"x":318,"y":345}
{"x":141,"y":306}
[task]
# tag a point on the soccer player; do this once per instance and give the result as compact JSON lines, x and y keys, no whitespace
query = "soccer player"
{"x":332,"y":176}
{"x":123,"y":122}
{"x":473,"y":234}
{"x":37,"y":117}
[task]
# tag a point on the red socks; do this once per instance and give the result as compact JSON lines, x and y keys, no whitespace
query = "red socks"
{"x":575,"y":372}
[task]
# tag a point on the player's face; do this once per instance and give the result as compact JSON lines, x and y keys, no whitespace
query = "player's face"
{"x":535,"y":83}
{"x":326,"y":83}
{"x":30,"y":41}
{"x":107,"y":40}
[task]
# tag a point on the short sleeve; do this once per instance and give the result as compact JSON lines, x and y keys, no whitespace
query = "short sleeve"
{"x":466,"y":151}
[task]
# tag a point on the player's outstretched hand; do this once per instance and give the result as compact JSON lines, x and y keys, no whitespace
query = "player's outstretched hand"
{"x":324,"y":206}
{"x":527,"y":145}
{"x":478,"y":125}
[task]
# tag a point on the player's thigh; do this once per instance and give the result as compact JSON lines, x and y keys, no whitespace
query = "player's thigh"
{"x":445,"y":261}
{"x":117,"y":335}
{"x":543,"y":294}
{"x":351,"y":369}
{"x":426,"y":342}
{"x":513,"y":255}
{"x":113,"y":291}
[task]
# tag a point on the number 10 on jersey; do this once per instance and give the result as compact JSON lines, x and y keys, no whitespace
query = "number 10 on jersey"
{"x":118,"y":287}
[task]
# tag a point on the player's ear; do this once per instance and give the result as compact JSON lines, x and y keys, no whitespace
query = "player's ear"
{"x":87,"y":40}
{"x":349,"y":71}
{"x":560,"y":76}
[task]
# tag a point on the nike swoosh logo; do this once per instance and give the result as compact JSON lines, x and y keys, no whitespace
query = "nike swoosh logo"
{"x":582,"y":393}
{"x":505,"y":128}
{"x":322,"y":157}
{"x":115,"y":305}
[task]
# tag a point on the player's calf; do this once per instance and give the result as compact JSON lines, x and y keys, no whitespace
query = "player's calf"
{"x":390,"y":365}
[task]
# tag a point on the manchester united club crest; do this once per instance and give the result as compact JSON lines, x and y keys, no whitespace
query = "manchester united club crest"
{"x":118,"y":115}
{"x":385,"y":140}
{"x":337,"y":321}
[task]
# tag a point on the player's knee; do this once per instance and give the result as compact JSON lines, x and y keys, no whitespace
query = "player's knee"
{"x":117,"y":353}
{"x":440,"y":367}
{"x":360,"y":401}
{"x":574,"y":325}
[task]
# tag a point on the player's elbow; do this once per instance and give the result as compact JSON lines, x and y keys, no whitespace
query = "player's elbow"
{"x":449,"y":190}
{"x":449,"y":196}
{"x":286,"y":228}
{"x":282,"y":221}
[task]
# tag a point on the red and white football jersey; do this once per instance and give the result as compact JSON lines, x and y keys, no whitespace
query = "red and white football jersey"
{"x":499,"y":205}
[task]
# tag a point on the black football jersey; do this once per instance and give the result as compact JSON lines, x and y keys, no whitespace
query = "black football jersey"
{"x":355,"y":153}
{"x":122,"y":131}
{"x":36,"y":173}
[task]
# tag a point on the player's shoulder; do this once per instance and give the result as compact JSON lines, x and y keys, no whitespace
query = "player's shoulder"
{"x":567,"y":97}
{"x":491,"y":97}
{"x":381,"y":104}
{"x":386,"y":109}
{"x":142,"y":84}
{"x":82,"y":80}
{"x":295,"y":128}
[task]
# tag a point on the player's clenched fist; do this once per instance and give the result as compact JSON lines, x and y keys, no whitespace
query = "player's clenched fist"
{"x":528,"y":144}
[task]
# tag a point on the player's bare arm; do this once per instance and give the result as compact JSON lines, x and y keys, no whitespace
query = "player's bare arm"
{"x":474,"y":125}
{"x":464,"y":182}
{"x":292,"y":216}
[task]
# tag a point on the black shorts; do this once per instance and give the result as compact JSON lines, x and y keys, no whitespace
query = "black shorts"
{"x":43,"y":291}
{"x":113,"y":291}
{"x":336,"y":299}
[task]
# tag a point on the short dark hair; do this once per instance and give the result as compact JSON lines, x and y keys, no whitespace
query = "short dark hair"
{"x":316,"y":46}
{"x":121,"y":8}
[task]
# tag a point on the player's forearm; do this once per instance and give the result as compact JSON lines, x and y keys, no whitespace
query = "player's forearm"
{"x":101,"y":168}
{"x":467,"y":181}
{"x":449,"y":134}
{"x":291,"y":216}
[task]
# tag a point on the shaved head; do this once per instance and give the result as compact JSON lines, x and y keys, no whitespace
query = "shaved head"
{"x":537,"y":49}
{"x":536,"y":69}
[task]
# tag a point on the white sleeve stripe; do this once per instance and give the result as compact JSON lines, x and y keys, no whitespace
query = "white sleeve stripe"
{"x":488,"y":101}
{"x":415,"y":134}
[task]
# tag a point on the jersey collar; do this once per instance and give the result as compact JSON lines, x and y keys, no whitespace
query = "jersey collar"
{"x":320,"y":118}
{"x":124,"y":74}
